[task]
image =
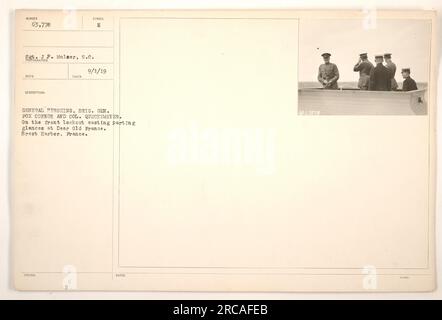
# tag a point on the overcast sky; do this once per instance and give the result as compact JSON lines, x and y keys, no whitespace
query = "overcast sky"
{"x":407,"y":40}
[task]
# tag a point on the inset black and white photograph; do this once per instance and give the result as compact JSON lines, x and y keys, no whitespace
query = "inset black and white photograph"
{"x":349,"y":67}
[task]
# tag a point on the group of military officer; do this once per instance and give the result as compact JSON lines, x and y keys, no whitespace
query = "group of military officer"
{"x":376,"y":78}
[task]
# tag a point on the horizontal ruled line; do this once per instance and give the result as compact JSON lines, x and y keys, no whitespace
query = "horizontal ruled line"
{"x":65,"y":79}
{"x":39,"y":30}
{"x":110,"y":47}
{"x":44,"y":62}
{"x":233,"y":273}
{"x":210,"y":18}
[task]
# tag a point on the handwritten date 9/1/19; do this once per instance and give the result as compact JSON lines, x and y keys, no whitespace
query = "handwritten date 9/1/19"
{"x":97,"y":70}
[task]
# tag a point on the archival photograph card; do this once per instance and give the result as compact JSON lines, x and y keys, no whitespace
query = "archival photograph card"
{"x":237,"y":150}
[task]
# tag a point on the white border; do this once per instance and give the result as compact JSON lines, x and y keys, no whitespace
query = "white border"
{"x":6,"y":85}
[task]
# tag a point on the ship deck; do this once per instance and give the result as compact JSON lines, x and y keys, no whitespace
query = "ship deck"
{"x":349,"y":101}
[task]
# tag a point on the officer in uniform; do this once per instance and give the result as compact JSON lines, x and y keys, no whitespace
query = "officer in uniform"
{"x":392,"y":67}
{"x":328,"y":73}
{"x":380,"y":76}
{"x":363,"y":66}
{"x":409,"y":84}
